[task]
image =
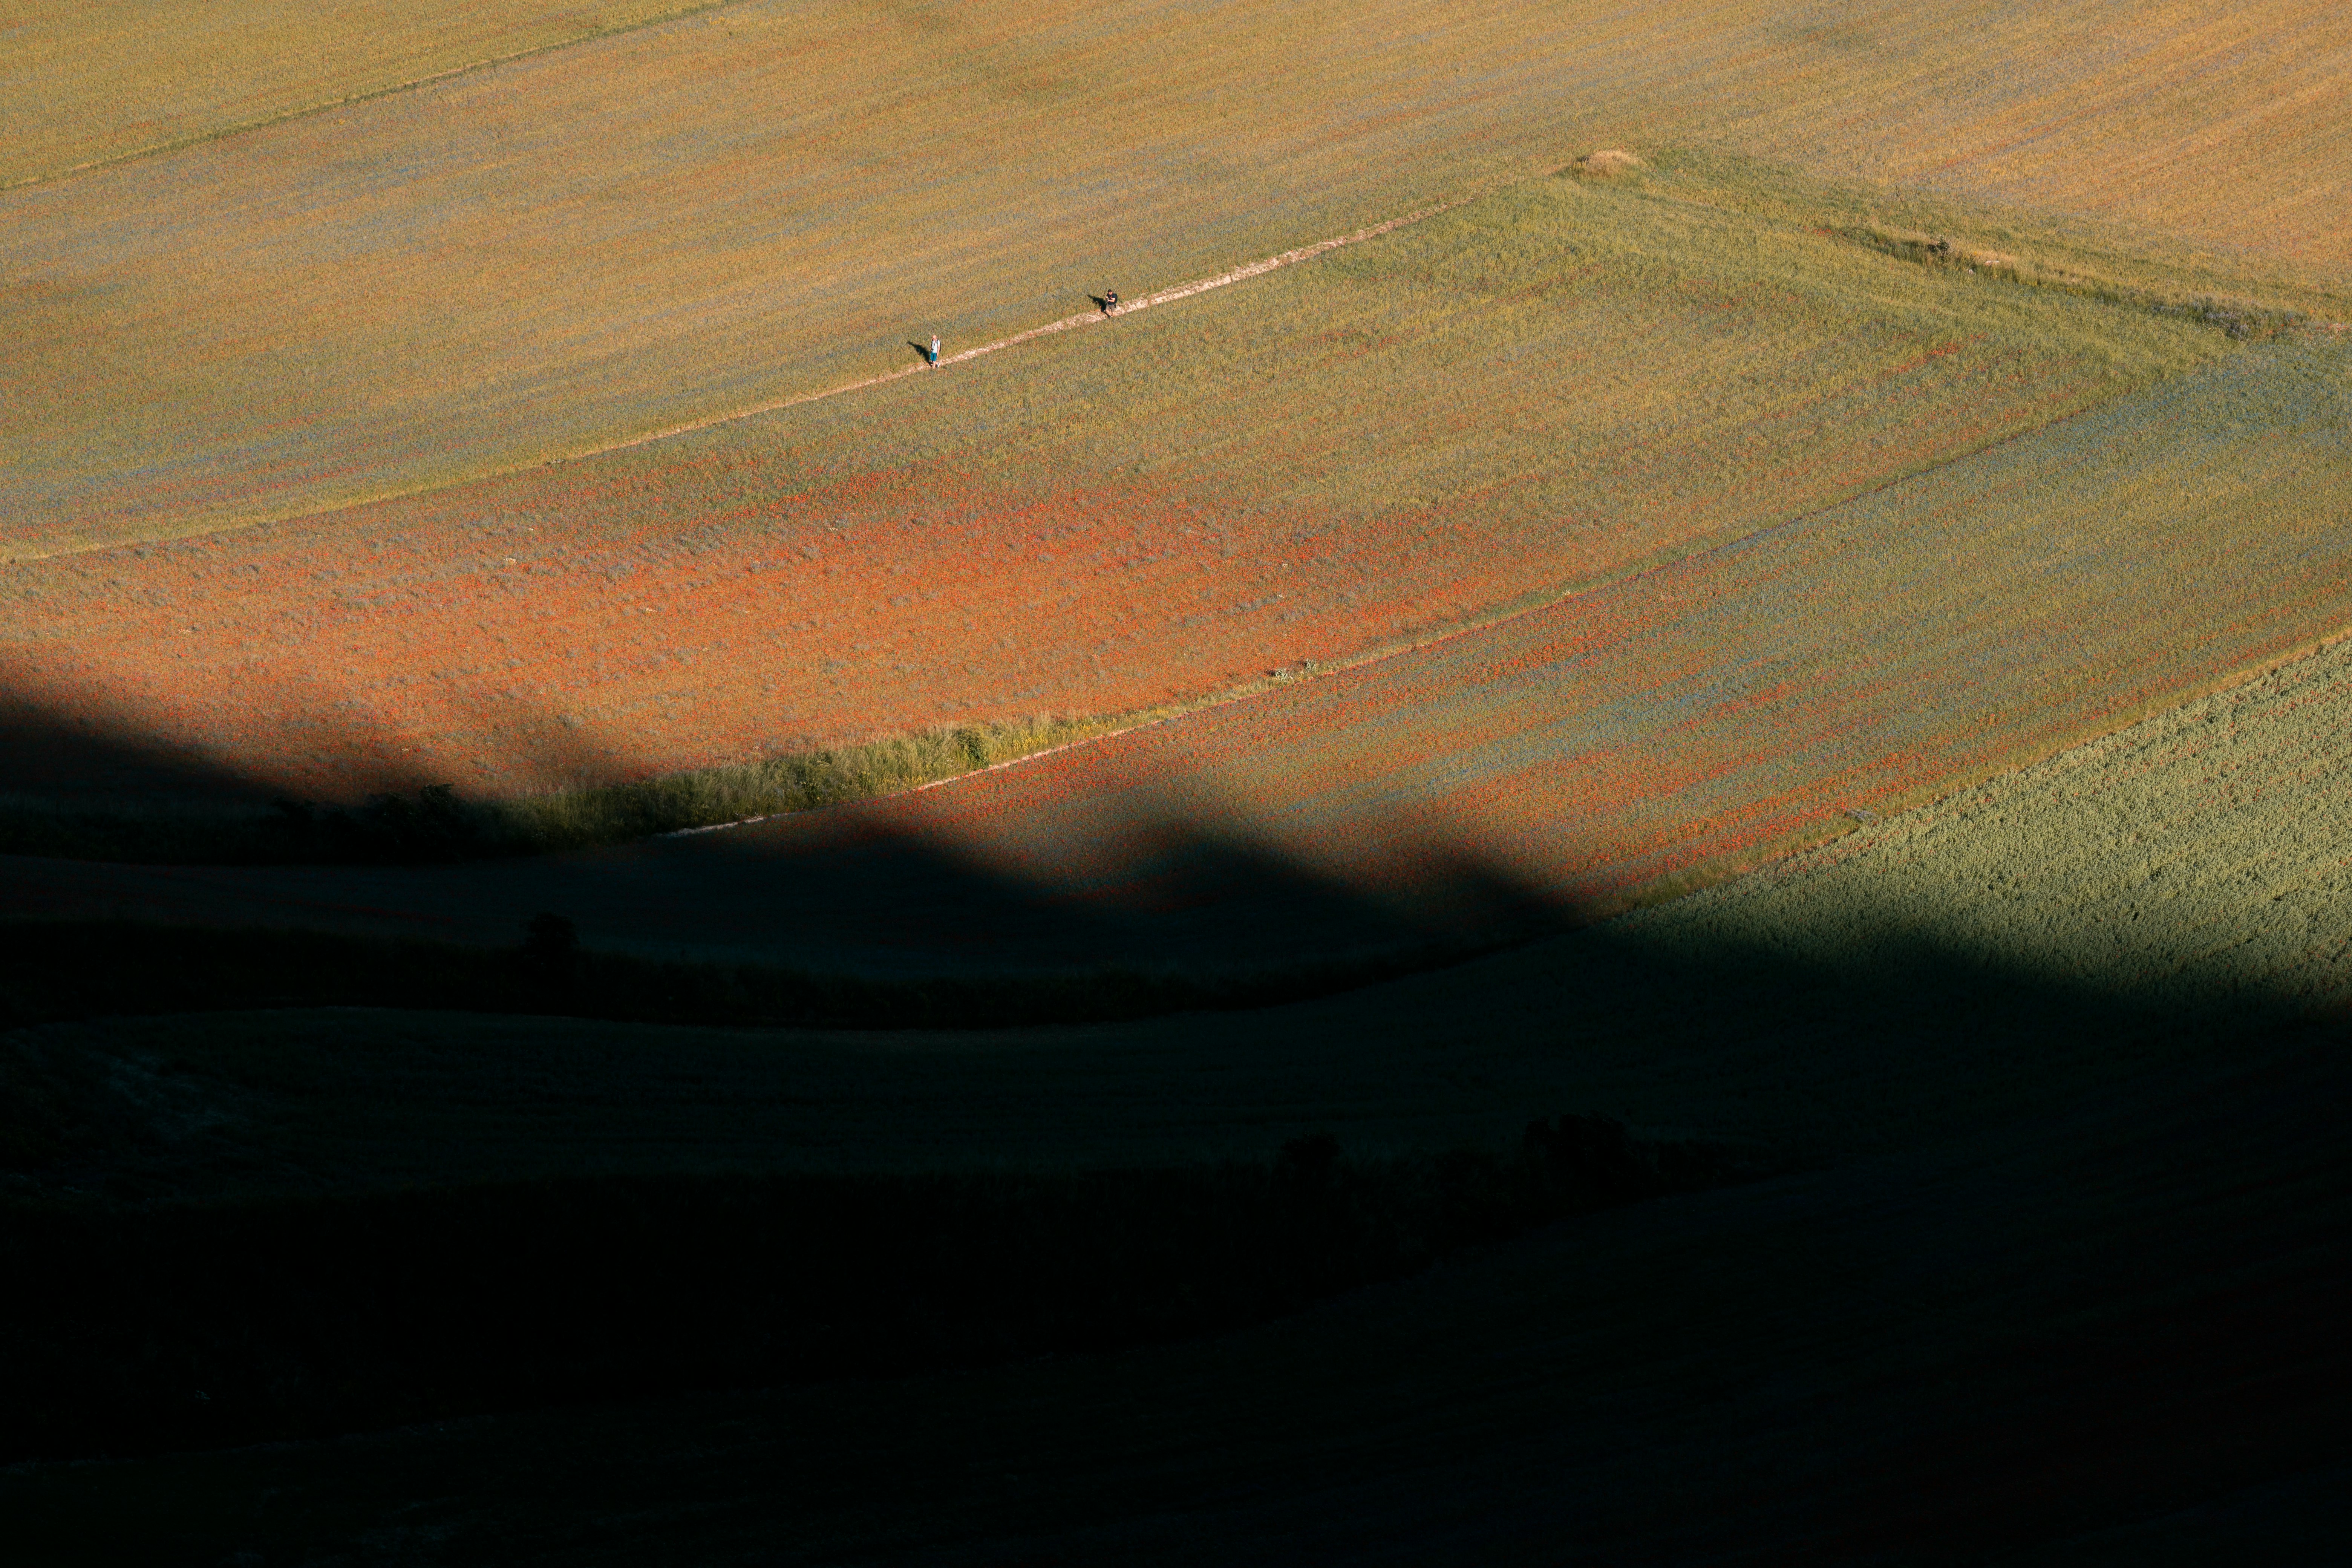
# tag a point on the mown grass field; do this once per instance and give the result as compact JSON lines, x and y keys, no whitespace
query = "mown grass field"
{"x":666,"y":222}
{"x":1553,"y":384}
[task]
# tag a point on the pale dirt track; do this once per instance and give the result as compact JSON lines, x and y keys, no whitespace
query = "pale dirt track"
{"x":1084,"y":319}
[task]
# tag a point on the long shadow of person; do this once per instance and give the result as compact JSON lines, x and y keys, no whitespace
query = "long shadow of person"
{"x":922,"y":350}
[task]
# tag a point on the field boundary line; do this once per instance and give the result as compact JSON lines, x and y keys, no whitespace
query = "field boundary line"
{"x":1167,"y":296}
{"x":366,"y":95}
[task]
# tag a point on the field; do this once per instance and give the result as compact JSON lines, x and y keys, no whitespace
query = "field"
{"x":1661,"y":727}
{"x":2017,"y":1151}
{"x":1547,"y":387}
{"x":1618,"y":836}
{"x":2135,"y":893}
{"x":592,"y":243}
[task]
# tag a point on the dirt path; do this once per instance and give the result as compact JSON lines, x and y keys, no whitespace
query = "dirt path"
{"x":1168,"y":296}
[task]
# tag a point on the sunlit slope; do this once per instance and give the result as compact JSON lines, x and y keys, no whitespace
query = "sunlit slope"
{"x":708,"y":212}
{"x":2124,"y":904}
{"x":1661,"y":727}
{"x":1996,"y":606}
{"x":86,"y":81}
{"x":1533,"y":391}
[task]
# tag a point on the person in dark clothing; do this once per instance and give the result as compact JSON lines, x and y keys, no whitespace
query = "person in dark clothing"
{"x":1110,"y":301}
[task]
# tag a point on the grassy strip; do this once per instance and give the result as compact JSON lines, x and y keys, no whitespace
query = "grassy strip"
{"x":2135,"y":269}
{"x":194,"y":1325}
{"x":436,"y":824}
{"x":2239,"y":316}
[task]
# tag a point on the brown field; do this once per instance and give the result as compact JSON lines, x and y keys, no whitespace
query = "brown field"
{"x":709,"y":212}
{"x":1546,"y":386}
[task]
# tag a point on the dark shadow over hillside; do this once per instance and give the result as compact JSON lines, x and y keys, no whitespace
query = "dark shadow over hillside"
{"x":64,"y":761}
{"x":2108,"y":1332}
{"x":82,"y":775}
{"x":2056,"y":1222}
{"x":855,"y":893}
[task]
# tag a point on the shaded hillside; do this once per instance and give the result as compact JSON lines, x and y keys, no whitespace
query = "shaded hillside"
{"x":2101,"y":1334}
{"x":2050,"y":934}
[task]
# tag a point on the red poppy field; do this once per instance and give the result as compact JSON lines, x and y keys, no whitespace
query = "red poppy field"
{"x":1560,"y":382}
{"x":1670,"y":724}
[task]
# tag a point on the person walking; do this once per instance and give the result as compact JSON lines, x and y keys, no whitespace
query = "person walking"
{"x":935,"y":348}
